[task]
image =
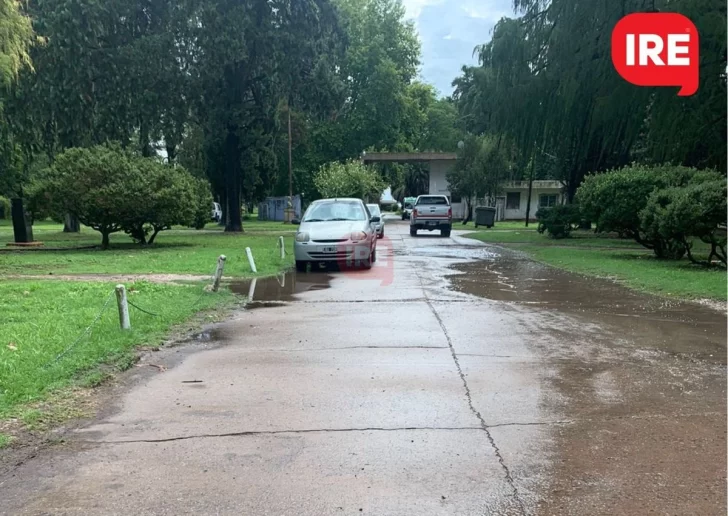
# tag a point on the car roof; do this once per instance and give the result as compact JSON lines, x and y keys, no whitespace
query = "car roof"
{"x":340,"y":199}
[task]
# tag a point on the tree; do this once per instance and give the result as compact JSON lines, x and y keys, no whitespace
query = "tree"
{"x":16,"y":38}
{"x":171,"y":197}
{"x":350,"y":179}
{"x":546,"y":80}
{"x":482,"y":165}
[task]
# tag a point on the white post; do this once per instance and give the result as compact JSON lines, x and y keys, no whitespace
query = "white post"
{"x":281,"y":245}
{"x":123,"y":307}
{"x":218,"y":273}
{"x":250,"y":260}
{"x":251,"y":290}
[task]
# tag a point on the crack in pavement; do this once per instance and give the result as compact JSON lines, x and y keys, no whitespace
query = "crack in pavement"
{"x":483,"y":425}
{"x":283,"y":432}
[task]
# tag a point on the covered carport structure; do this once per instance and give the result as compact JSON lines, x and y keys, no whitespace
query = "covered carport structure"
{"x":440,"y":163}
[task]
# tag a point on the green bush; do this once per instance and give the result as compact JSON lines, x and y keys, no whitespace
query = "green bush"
{"x":681,"y":215}
{"x":558,"y":221}
{"x":615,"y":200}
{"x":111,"y":190}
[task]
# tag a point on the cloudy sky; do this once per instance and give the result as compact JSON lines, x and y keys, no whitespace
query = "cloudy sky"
{"x":449,"y":30}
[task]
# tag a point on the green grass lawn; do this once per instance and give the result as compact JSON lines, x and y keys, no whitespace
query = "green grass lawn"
{"x":531,"y":236}
{"x":178,"y":251}
{"x":41,"y":320}
{"x":619,"y":259}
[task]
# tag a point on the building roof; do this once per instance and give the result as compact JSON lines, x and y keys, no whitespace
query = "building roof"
{"x":407,"y":157}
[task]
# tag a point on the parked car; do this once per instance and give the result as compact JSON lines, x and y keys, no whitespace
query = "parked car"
{"x":409,"y":204}
{"x":336,"y":231}
{"x":216,"y":212}
{"x":374,"y":211}
{"x":431,"y":212}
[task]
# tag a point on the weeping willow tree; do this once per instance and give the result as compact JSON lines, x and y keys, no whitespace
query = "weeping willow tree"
{"x":16,"y":34}
{"x":546,"y":79}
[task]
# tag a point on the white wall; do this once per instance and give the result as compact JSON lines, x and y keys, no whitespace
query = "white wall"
{"x":439,"y":185}
{"x":520,"y":213}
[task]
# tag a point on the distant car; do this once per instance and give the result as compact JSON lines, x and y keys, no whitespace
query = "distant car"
{"x":336,"y":231}
{"x":374,"y":211}
{"x":216,"y":212}
{"x":409,"y":205}
{"x":431,"y":212}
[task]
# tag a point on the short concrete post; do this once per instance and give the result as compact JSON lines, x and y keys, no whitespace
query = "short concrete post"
{"x":123,"y":307}
{"x":250,"y":259}
{"x":218,"y":272}
{"x":281,"y":245}
{"x":251,"y":290}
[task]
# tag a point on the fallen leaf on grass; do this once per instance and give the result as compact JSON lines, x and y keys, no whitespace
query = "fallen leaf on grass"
{"x":12,"y":346}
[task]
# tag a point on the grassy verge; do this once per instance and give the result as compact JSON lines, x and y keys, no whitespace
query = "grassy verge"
{"x":45,"y":367}
{"x":178,"y":251}
{"x":617,"y":259}
{"x":44,"y":346}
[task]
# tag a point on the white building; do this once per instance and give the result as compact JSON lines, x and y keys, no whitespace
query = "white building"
{"x":510,"y":205}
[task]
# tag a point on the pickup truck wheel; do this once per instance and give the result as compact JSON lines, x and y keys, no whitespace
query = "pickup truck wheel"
{"x":445,"y":233}
{"x":301,"y":266}
{"x":413,"y":231}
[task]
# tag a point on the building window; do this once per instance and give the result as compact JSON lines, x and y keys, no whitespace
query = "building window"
{"x":513,"y":200}
{"x":546,"y":201}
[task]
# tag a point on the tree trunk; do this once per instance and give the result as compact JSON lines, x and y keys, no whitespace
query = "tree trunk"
{"x":154,"y":235}
{"x":71,"y":224}
{"x":171,"y":153}
{"x":232,"y":181}
{"x":104,"y":240}
{"x":530,"y":187}
{"x":22,"y":231}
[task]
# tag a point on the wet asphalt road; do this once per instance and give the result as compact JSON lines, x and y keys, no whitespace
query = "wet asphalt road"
{"x":451,"y":379}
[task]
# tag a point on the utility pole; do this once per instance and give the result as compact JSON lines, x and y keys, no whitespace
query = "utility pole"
{"x":290,"y":167}
{"x":530,"y":183}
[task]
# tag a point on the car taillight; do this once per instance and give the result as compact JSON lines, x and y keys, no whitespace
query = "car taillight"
{"x":449,"y":213}
{"x":414,"y":212}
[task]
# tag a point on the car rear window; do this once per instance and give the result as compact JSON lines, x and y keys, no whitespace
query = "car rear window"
{"x":432,"y":200}
{"x":373,"y":209}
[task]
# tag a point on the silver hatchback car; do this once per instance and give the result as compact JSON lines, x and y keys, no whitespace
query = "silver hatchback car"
{"x":338,"y":231}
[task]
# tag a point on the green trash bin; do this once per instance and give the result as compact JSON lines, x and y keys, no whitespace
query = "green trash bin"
{"x":484,"y":216}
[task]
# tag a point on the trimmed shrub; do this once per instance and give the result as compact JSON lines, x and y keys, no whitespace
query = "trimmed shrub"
{"x":614,"y":201}
{"x":558,"y":221}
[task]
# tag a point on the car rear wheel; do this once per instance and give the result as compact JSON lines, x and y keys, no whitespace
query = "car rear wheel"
{"x":301,"y":266}
{"x":445,"y":233}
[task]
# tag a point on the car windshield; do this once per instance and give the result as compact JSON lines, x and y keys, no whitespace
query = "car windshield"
{"x":374,"y":210}
{"x":432,"y":200}
{"x":408,"y":206}
{"x":335,"y":211}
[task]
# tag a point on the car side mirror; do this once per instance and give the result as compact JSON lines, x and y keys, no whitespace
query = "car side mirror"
{"x":375,"y":219}
{"x":295,"y":221}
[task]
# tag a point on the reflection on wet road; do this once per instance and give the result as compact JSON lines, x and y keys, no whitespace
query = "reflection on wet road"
{"x":453,"y":378}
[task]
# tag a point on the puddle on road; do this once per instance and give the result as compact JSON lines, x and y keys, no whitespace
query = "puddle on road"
{"x":679,"y":328}
{"x":275,"y":290}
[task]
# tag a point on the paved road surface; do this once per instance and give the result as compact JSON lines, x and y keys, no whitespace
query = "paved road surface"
{"x":452,"y":379}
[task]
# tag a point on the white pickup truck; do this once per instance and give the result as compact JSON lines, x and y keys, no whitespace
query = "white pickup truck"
{"x":431,"y":212}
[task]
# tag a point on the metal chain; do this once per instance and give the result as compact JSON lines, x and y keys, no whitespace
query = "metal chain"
{"x":88,"y":328}
{"x":142,"y":309}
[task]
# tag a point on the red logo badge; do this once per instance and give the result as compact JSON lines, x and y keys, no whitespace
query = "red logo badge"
{"x":657,"y":49}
